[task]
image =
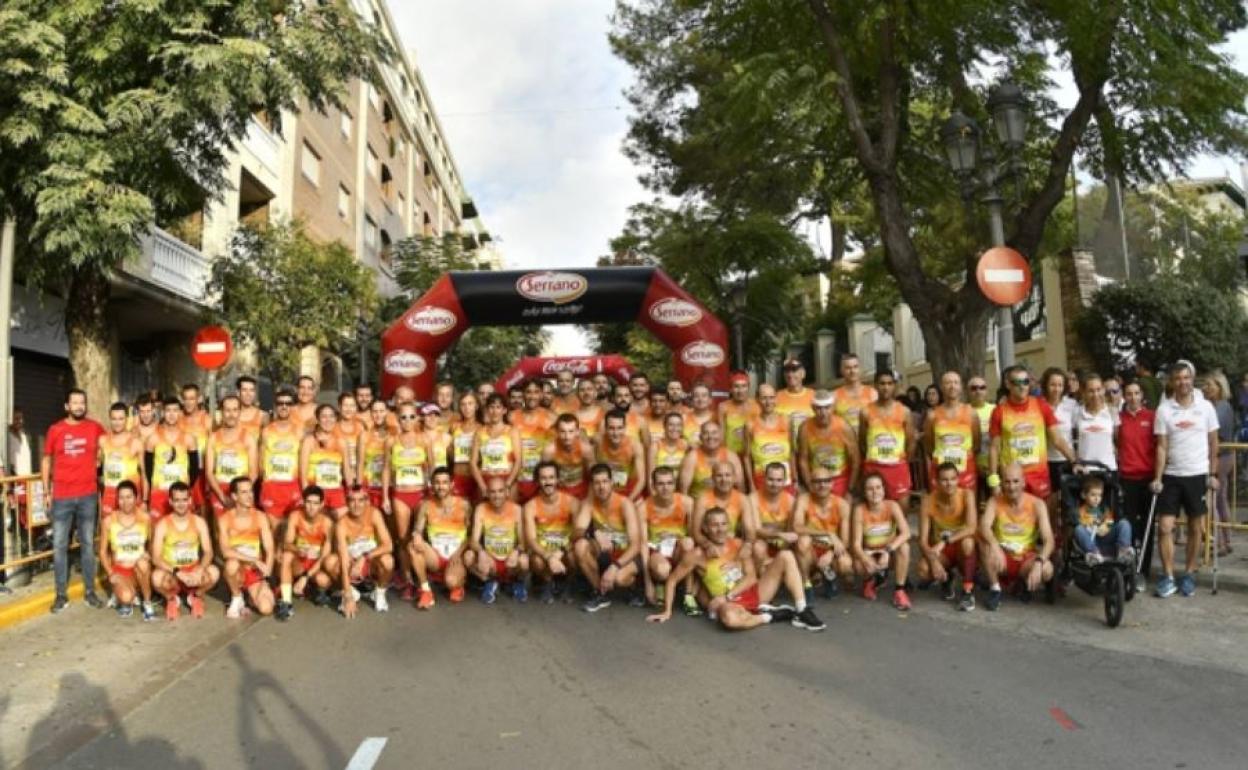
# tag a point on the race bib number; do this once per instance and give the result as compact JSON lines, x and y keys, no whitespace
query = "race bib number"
{"x":446,"y":543}
{"x":667,"y":545}
{"x":733,"y":574}
{"x":494,"y":456}
{"x":619,"y":479}
{"x":886,"y":447}
{"x":129,"y":549}
{"x":229,"y":465}
{"x":463,"y":448}
{"x":619,"y":540}
{"x":329,"y":474}
{"x":281,"y":468}
{"x":555,"y":541}
{"x":185,"y":555}
{"x":375,"y":467}
{"x":499,"y":542}
{"x":1012,"y":546}
{"x":833,"y":461}
{"x":308,"y":550}
{"x":248,"y":550}
{"x":172,"y":472}
{"x":409,"y":476}
{"x":114,"y":471}
{"x":361,"y":546}
{"x":1026,"y":450}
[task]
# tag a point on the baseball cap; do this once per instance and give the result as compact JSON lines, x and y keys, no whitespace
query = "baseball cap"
{"x":792,"y":363}
{"x":822,"y":398}
{"x":431,"y":408}
{"x":736,"y":377}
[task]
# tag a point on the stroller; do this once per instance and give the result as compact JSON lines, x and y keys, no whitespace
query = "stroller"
{"x":1112,"y":579}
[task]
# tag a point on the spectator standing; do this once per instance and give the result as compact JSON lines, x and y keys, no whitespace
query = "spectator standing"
{"x":1113,"y":393}
{"x":1149,"y":384}
{"x":1053,"y":389}
{"x":69,"y":474}
{"x":1186,"y":427}
{"x":1137,"y":457}
{"x":1217,"y":391}
{"x":18,"y":457}
{"x":1096,"y":426}
{"x":1073,"y":385}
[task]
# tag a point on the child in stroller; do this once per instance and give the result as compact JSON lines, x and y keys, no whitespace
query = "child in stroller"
{"x":1098,"y":533}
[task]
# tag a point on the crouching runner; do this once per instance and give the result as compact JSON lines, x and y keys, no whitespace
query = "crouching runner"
{"x":182,"y":555}
{"x":439,"y":546}
{"x":123,"y":551}
{"x":307,"y":553}
{"x":740,"y":599}
{"x":365,"y":552}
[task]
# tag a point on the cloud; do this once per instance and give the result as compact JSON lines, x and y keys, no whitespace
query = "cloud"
{"x":530,"y":99}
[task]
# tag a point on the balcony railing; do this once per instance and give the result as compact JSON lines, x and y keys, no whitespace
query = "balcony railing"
{"x":172,"y":265}
{"x":261,"y":143}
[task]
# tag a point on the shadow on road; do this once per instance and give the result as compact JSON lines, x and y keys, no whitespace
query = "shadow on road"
{"x":266,"y":751}
{"x":60,"y":736}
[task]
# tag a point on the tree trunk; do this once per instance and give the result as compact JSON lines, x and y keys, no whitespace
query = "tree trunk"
{"x":86,"y":327}
{"x":955,"y":335}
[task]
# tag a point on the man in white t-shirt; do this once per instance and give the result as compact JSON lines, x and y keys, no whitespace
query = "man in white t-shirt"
{"x":1187,"y":465}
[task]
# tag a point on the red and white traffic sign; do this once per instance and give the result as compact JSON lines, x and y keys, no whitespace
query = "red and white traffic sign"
{"x":212,"y":347}
{"x":1003,"y":276}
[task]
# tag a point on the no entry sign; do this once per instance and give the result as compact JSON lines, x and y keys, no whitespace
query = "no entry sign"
{"x":212,"y":347}
{"x":1003,"y":276}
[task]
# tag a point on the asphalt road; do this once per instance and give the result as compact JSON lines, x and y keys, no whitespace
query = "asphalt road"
{"x":534,"y":686}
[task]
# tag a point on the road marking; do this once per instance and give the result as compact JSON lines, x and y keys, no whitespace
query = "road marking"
{"x":367,"y":754}
{"x":1063,"y":719}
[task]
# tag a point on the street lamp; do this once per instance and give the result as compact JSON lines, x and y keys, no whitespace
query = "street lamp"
{"x":979,"y":172}
{"x":738,"y":297}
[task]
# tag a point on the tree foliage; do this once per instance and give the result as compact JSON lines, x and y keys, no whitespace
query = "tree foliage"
{"x":806,"y":108}
{"x":280,"y":290}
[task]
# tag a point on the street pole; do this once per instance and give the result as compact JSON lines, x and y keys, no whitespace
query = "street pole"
{"x":738,"y":331}
{"x":7,"y":246}
{"x":1005,"y":315}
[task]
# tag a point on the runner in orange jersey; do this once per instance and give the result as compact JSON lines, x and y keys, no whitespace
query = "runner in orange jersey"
{"x":623,"y":454}
{"x":348,"y":431}
{"x":196,"y":421}
{"x":695,"y":471}
{"x":768,"y":439}
{"x":251,"y":417}
{"x":880,"y":541}
{"x":304,"y":413}
{"x":496,"y":447}
{"x":515,"y":398}
{"x":853,"y":396}
{"x":822,"y":523}
{"x":947,"y":524}
{"x":444,"y":397}
{"x":372,"y":451}
{"x":739,"y":596}
{"x":535,"y":426}
{"x":773,"y":505}
{"x":323,"y":463}
{"x":548,"y":395}
{"x":146,"y":417}
{"x":676,"y":396}
{"x":664,"y":517}
{"x":606,"y":540}
{"x":724,"y":494}
{"x":588,"y":411}
{"x":123,"y":550}
{"x":951,"y":433}
{"x":572,"y":455}
{"x":736,"y":413}
{"x":652,"y":428}
{"x":700,"y":413}
{"x":634,"y":421}
{"x":404,"y":481}
{"x":437,"y":436}
{"x":565,"y":400}
{"x":365,"y":553}
{"x":1016,"y":538}
{"x":639,"y":390}
{"x":669,"y":448}
{"x":497,"y":526}
{"x":548,"y":521}
{"x":1022,"y":428}
{"x":439,"y":549}
{"x":120,"y":458}
{"x":182,"y":555}
{"x":280,"y":445}
{"x":887,"y":439}
{"x":364,"y":396}
{"x":169,"y":456}
{"x":463,"y":435}
{"x":231,"y":453}
{"x":794,"y":400}
{"x":307,"y":554}
{"x":247,"y":547}
{"x":828,"y":442}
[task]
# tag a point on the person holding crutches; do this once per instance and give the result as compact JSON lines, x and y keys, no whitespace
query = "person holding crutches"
{"x":1187,"y":467}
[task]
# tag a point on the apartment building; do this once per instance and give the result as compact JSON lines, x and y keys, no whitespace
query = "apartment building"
{"x":370,"y":174}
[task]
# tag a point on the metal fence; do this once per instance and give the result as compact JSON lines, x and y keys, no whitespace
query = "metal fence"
{"x":25,"y":515}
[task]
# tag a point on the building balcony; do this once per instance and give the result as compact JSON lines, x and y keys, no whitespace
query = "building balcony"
{"x":266,"y":148}
{"x":172,"y":265}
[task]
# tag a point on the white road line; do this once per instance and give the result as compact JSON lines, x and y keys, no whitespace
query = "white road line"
{"x":367,"y":754}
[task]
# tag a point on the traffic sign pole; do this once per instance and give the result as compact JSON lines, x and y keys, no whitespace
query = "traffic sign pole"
{"x":1005,"y":315}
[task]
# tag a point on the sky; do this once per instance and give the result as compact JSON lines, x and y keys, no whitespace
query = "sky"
{"x":531,"y":103}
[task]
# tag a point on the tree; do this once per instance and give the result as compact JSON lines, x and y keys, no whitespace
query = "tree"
{"x":1162,"y":320}
{"x":280,"y":290}
{"x":483,"y":352}
{"x":117,"y":115}
{"x":797,"y":107}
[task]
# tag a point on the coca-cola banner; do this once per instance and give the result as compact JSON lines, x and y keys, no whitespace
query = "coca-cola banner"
{"x":698,"y":340}
{"x":547,"y":368}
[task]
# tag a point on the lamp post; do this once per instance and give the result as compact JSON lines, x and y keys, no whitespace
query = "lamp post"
{"x":979,"y":172}
{"x":737,"y":299}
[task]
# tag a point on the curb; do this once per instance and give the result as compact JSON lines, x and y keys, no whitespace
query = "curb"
{"x":35,"y":605}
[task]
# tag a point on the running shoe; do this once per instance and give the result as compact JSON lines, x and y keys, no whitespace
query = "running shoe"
{"x":1187,"y":584}
{"x":112,"y":602}
{"x":60,"y":603}
{"x":548,"y":593}
{"x":808,"y":620}
{"x":149,"y":612}
{"x":457,"y":595}
{"x":900,"y":600}
{"x":1126,"y":555}
{"x":409,"y":592}
{"x":284,"y":611}
{"x":172,"y":609}
{"x":321,"y":598}
{"x":949,"y":590}
{"x":831,"y":587}
{"x":781,"y":614}
{"x":379,"y":600}
{"x":596,"y":602}
{"x":235,"y":610}
{"x":774,"y":608}
{"x":197,"y":606}
{"x":426,"y":600}
{"x":868,"y":589}
{"x":519,"y":592}
{"x":637,"y":599}
{"x":691,"y":606}
{"x":967,"y":602}
{"x":93,"y":601}
{"x":125,"y":611}
{"x":1093,"y":558}
{"x":994,"y":600}
{"x":1165,"y":587}
{"x":489,"y":594}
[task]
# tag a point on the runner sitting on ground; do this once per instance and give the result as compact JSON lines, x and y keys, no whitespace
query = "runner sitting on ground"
{"x":880,"y":541}
{"x":1016,"y":538}
{"x":182,"y":555}
{"x":664,"y":518}
{"x":247,"y":547}
{"x":439,"y":546}
{"x":548,"y":521}
{"x":307,"y":553}
{"x":124,"y":552}
{"x":496,"y":538}
{"x":947,"y":526}
{"x":606,"y":539}
{"x":739,"y":596}
{"x":365,"y":552}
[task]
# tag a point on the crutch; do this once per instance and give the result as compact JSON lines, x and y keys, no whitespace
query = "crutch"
{"x":1148,"y":527}
{"x":1213,"y":534}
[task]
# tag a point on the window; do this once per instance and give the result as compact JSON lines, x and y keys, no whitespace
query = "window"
{"x":387,"y":181}
{"x":310,"y":164}
{"x":370,"y":232}
{"x":385,"y":248}
{"x":373,"y":163}
{"x":344,"y":202}
{"x":344,"y":124}
{"x":374,"y":97}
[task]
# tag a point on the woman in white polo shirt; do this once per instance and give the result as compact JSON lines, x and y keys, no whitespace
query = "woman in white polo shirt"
{"x":1096,"y":425}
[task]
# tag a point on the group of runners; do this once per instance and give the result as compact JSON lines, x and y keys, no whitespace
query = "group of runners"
{"x":619,"y":491}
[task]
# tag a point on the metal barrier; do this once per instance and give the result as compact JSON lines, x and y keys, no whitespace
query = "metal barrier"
{"x":1239,"y":453}
{"x":26,"y":514}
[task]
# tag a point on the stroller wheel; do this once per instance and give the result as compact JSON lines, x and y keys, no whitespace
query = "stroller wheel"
{"x":1114,"y":598}
{"x":1129,"y":585}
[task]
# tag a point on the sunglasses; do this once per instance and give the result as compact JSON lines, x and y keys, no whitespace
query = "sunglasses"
{"x":1022,"y":381}
{"x":284,"y":403}
{"x":1113,"y":391}
{"x":821,"y":481}
{"x":408,"y":416}
{"x":979,"y":387}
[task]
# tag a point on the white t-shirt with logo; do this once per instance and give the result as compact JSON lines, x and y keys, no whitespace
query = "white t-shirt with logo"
{"x":1186,"y":429}
{"x":1065,"y":412}
{"x":1096,"y":436}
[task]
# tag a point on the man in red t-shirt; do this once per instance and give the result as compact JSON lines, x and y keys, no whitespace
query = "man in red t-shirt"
{"x":69,"y":472}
